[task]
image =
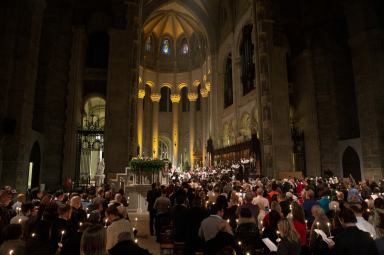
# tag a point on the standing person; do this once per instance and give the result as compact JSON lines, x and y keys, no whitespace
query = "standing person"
{"x":290,"y":239}
{"x":5,"y":214}
{"x":61,"y":227}
{"x":259,"y":200}
{"x":162,"y":206}
{"x":321,"y":221}
{"x":118,"y":226}
{"x":309,"y":201}
{"x":151,"y":198}
{"x":352,"y":240}
{"x":93,"y":241}
{"x":298,"y":221}
{"x":211,"y":226}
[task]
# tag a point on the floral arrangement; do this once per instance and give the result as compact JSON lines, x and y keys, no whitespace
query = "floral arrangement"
{"x":147,"y":165}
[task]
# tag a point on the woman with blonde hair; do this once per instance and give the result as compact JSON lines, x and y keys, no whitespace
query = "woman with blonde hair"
{"x":290,"y":239}
{"x":93,"y":241}
{"x":321,"y":222}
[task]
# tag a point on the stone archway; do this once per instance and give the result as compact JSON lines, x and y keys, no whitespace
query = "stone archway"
{"x":34,"y":166}
{"x":351,"y":164}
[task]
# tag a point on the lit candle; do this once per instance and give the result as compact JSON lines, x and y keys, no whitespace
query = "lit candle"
{"x":62,"y":234}
{"x":136,"y":219}
{"x":329,"y":228}
{"x":228,"y":220}
{"x":10,"y":252}
{"x":80,"y":224}
{"x":105,"y":224}
{"x":368,"y":210}
{"x":19,"y":221}
{"x":88,"y":215}
{"x":317,"y":224}
{"x":278,"y":236}
{"x":239,"y":243}
{"x":33,"y":234}
{"x":136,"y":241}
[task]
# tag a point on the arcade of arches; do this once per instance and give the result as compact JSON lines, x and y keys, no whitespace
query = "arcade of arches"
{"x":93,"y":82}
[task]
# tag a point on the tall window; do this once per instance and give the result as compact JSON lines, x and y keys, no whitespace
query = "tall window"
{"x":228,"y":88}
{"x":184,"y":46}
{"x":184,"y":100}
{"x":166,"y":47}
{"x":148,"y":44}
{"x":198,"y":101}
{"x":247,"y":65}
{"x":165,"y":100}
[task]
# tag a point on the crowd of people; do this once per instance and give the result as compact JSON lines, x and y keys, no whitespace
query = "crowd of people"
{"x":85,"y":221}
{"x":211,"y":214}
{"x":219,"y":215}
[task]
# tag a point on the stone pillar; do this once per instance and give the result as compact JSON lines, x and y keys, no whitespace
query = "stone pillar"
{"x":263,"y":28}
{"x":19,"y":50}
{"x":122,"y":91}
{"x":140,"y":100}
{"x":367,"y":53}
{"x":74,"y":101}
{"x":192,"y":96}
{"x":204,"y":109}
{"x":155,"y":97}
{"x":175,"y":98}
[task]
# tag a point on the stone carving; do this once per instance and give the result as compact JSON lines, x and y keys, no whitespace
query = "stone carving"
{"x":99,"y":176}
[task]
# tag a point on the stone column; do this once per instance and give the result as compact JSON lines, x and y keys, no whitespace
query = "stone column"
{"x":192,"y":96}
{"x":122,"y":90}
{"x":141,"y":95}
{"x":204,"y":108}
{"x":155,"y":97}
{"x":367,"y":52}
{"x":74,"y":101}
{"x":175,"y":98}
{"x":19,"y":50}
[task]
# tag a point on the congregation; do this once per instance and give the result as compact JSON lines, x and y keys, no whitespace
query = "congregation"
{"x":210,"y":215}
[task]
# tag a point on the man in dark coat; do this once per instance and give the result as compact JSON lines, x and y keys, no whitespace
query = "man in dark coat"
{"x":353,"y":241}
{"x":151,"y":198}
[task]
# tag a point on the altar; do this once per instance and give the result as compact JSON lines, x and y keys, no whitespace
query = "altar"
{"x":137,"y":180}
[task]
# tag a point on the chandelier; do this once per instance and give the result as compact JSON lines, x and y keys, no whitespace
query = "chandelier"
{"x":92,"y":134}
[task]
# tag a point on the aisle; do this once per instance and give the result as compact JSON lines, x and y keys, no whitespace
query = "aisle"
{"x":145,"y":240}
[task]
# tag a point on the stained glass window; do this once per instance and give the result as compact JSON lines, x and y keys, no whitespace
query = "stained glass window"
{"x":166,"y":48}
{"x":185,"y":47}
{"x":148,"y":44}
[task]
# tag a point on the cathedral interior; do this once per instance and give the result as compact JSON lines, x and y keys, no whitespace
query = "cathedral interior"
{"x":297,"y":86}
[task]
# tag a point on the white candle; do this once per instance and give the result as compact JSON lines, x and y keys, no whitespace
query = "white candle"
{"x":329,"y":228}
{"x":10,"y":252}
{"x":105,"y":225}
{"x":62,"y":234}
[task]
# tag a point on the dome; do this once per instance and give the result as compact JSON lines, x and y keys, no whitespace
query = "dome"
{"x":173,"y":41}
{"x":170,"y":23}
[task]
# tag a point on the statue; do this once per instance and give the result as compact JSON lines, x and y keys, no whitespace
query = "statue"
{"x":99,"y":176}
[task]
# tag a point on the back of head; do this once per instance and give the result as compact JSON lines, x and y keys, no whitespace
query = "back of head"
{"x":248,"y":197}
{"x":274,"y":218}
{"x":93,"y":241}
{"x":346,"y":215}
{"x":310,"y":194}
{"x":64,"y":209}
{"x":287,"y":230}
{"x":245,"y":213}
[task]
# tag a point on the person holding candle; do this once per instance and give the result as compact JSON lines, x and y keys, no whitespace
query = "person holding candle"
{"x":316,"y":243}
{"x":298,"y":220}
{"x":23,"y":216}
{"x":61,"y":227}
{"x":290,"y":239}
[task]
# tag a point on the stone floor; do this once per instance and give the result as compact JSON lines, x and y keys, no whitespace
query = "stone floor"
{"x":145,"y":240}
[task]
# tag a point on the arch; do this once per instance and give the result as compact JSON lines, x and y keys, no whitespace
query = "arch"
{"x":165,"y":146}
{"x":166,"y":45}
{"x":184,"y":46}
{"x":166,"y":84}
{"x":165,"y":104}
{"x":149,"y":44}
{"x":351,"y":164}
{"x":182,"y":85}
{"x":150,"y":83}
{"x":34,"y":166}
{"x":246,"y":125}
